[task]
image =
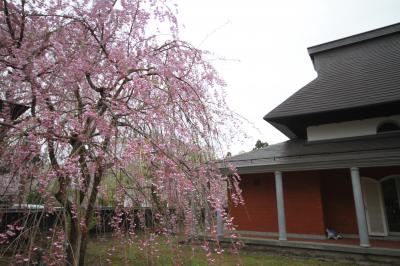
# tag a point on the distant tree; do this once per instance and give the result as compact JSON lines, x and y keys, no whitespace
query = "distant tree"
{"x":260,"y":144}
{"x":229,"y":154}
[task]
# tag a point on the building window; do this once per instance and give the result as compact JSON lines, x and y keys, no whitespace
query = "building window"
{"x":387,"y":127}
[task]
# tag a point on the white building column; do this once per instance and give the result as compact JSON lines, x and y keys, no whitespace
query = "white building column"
{"x":280,"y":206}
{"x":359,"y":204}
{"x":220,"y":225}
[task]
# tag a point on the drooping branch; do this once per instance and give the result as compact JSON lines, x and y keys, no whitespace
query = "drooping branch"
{"x":8,"y":19}
{"x":22,"y":24}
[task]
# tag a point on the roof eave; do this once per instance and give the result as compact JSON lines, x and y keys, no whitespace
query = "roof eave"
{"x":284,"y":129}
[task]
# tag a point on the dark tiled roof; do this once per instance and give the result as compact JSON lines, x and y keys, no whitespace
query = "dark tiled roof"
{"x":365,"y":73}
{"x":298,"y":154}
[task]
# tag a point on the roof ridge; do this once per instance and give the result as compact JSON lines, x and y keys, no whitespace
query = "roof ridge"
{"x":352,"y":39}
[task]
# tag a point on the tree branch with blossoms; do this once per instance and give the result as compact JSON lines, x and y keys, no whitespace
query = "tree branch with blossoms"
{"x":111,"y":101}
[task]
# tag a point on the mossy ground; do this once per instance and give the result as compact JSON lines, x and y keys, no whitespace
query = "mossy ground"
{"x":100,"y":250}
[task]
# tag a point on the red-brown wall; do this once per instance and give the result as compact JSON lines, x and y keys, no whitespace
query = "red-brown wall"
{"x":338,"y":201}
{"x":303,"y":203}
{"x":314,"y":200}
{"x":379,"y":172}
{"x":259,"y":212}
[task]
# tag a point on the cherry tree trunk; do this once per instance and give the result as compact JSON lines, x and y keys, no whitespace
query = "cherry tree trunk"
{"x":77,"y":240}
{"x":74,"y":240}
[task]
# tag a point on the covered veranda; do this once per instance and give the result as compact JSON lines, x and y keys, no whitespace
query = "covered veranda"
{"x":295,"y":190}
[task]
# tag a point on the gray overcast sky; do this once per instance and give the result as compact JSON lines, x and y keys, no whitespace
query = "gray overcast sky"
{"x":267,"y":42}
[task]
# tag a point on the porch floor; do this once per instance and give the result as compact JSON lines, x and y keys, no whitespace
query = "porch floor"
{"x":375,"y":243}
{"x":355,"y":242}
{"x":347,"y":248}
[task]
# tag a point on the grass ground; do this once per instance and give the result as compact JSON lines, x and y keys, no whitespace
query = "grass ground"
{"x":166,"y":254}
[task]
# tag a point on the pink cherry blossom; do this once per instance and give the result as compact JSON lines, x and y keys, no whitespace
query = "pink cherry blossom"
{"x":113,"y":106}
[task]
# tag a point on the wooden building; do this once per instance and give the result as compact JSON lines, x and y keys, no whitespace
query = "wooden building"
{"x":340,"y":167}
